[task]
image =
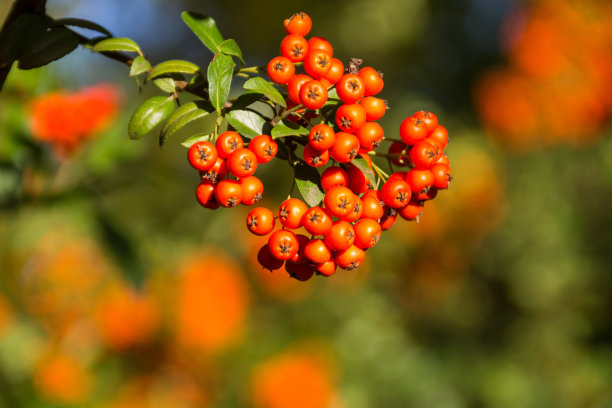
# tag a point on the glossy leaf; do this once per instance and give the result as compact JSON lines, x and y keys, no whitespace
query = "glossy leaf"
{"x":181,"y":117}
{"x":199,"y":137}
{"x":307,"y":180}
{"x":18,"y":36}
{"x":151,"y":113}
{"x":53,"y":45}
{"x":204,"y":28}
{"x":140,"y":65}
{"x":78,"y":22}
{"x":173,"y":67}
{"x":116,"y":44}
{"x":287,"y":128}
{"x":230,"y":47}
{"x":264,"y":87}
{"x":246,"y":122}
{"x":165,"y":84}
{"x":219,"y":76}
{"x":362,"y":165}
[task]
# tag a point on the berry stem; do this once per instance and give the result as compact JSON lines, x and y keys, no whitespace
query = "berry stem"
{"x":390,"y":139}
{"x":384,"y":176}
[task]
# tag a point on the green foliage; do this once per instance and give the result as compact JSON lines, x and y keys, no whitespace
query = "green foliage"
{"x":205,"y":28}
{"x":151,"y":113}
{"x":219,"y":76}
{"x":182,"y":116}
{"x":308,"y":180}
{"x":286,"y":128}
{"x":116,"y":44}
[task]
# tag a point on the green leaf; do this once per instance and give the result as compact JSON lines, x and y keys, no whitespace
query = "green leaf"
{"x":181,"y":117}
{"x":116,"y":44}
{"x":165,"y":84}
{"x":246,"y":99}
{"x":150,"y":114}
{"x":307,"y":180}
{"x":78,"y":22}
{"x":140,"y":65}
{"x":362,"y":165}
{"x":19,"y":36}
{"x":246,"y":122}
{"x":262,"y":86}
{"x":204,"y":28}
{"x":199,"y":137}
{"x":230,"y":47}
{"x":286,"y":128}
{"x":53,"y":45}
{"x":173,"y":67}
{"x":219,"y":75}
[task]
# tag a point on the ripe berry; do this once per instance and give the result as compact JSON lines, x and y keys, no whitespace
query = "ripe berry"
{"x":320,"y":43}
{"x":370,"y":136}
{"x":280,"y":70}
{"x":419,"y":180}
{"x":356,"y":213}
{"x":350,"y":258}
{"x":430,"y":120}
{"x":294,"y":47}
{"x":372,"y":80}
{"x":228,"y":193}
{"x":299,"y":271}
{"x":252,"y":190}
{"x":440,"y":134}
{"x":317,"y":221}
{"x":227,"y":142}
{"x":350,"y":88}
{"x":340,"y":236}
{"x":313,"y":94}
{"x":260,"y":221}
{"x":298,"y":24}
{"x":388,"y":218}
{"x":317,"y":63}
{"x":264,"y":147}
{"x":442,"y":176}
{"x":371,"y":207}
{"x":202,"y":155}
{"x":358,"y":182}
{"x":339,"y":201}
{"x":216,"y":173}
{"x":367,"y":233}
{"x":283,"y":244}
{"x":411,"y":211}
{"x":423,"y":155}
{"x":395,"y":193}
{"x":242,"y":162}
{"x":321,"y":137}
{"x":294,"y":85}
{"x":413,"y":130}
{"x":351,"y":117}
{"x":400,"y":149}
{"x":374,"y":108}
{"x":290,"y":213}
{"x":334,"y":176}
{"x":299,"y":256}
{"x":205,"y":194}
{"x":315,"y":158}
{"x":317,"y":251}
{"x":345,"y":148}
{"x":335,"y":72}
{"x":326,"y":268}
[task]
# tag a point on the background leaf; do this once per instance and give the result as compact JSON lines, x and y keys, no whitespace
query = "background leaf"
{"x":78,"y":22}
{"x":219,"y":76}
{"x":53,"y":45}
{"x":308,"y":180}
{"x":264,"y":87}
{"x":204,"y":28}
{"x":287,"y":128}
{"x":230,"y":47}
{"x":116,"y":44}
{"x":246,"y":122}
{"x":150,"y":114}
{"x":140,"y":65}
{"x":173,"y":67}
{"x":181,"y":117}
{"x":19,"y":36}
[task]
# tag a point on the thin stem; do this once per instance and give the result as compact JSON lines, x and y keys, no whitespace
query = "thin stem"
{"x":390,"y":139}
{"x":384,"y":176}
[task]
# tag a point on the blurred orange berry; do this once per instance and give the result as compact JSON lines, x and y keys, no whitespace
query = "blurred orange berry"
{"x":63,"y":379}
{"x":212,"y":306}
{"x":293,"y":379}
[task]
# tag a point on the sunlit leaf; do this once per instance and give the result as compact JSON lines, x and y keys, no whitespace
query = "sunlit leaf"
{"x":116,"y":44}
{"x":362,"y":165}
{"x":287,"y":128}
{"x":219,"y":76}
{"x":181,"y":117}
{"x":165,"y":84}
{"x":307,"y":180}
{"x":205,"y":28}
{"x":230,"y":47}
{"x":173,"y":67}
{"x":199,"y":137}
{"x":139,"y":66}
{"x":264,"y":87}
{"x":246,"y":122}
{"x":151,"y":113}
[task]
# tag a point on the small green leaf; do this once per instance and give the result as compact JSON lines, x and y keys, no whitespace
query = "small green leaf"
{"x":262,"y":86}
{"x":230,"y":47}
{"x":286,"y":128}
{"x":19,"y":36}
{"x":116,"y":44}
{"x":332,"y":93}
{"x":197,"y":81}
{"x":307,"y":180}
{"x":246,"y":99}
{"x":204,"y":28}
{"x":165,"y":84}
{"x":140,"y":65}
{"x":219,"y":76}
{"x":200,"y":137}
{"x":181,"y":117}
{"x":247,"y":123}
{"x":53,"y":45}
{"x":150,"y":114}
{"x":78,"y":22}
{"x":362,"y":165}
{"x":173,"y":67}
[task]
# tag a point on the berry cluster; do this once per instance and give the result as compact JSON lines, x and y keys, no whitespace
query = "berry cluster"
{"x":214,"y":161}
{"x":337,"y":110}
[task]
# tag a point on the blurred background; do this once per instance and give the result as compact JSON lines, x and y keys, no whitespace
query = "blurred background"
{"x":117,"y":289}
